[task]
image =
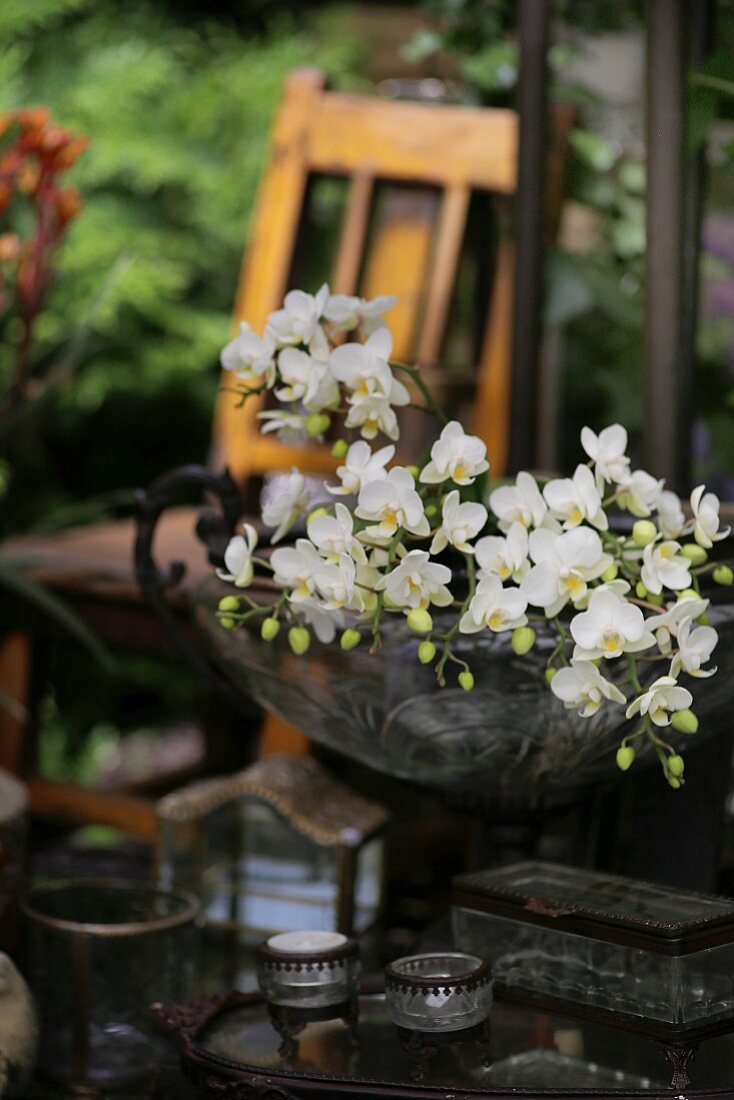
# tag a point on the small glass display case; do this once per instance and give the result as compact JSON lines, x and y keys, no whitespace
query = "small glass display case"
{"x":647,"y":957}
{"x":281,"y":845}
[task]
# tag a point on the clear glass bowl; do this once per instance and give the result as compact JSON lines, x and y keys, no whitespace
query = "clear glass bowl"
{"x":438,"y":992}
{"x":509,"y":741}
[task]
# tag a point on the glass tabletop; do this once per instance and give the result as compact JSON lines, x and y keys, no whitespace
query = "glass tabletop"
{"x":529,"y":1049}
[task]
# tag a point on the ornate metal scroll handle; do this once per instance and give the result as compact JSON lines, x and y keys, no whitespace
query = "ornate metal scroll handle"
{"x":212,"y":528}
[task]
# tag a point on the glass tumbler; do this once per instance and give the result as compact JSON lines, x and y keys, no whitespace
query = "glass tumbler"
{"x":100,"y":953}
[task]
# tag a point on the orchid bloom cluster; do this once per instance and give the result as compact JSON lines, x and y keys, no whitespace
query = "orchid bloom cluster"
{"x":402,"y":540}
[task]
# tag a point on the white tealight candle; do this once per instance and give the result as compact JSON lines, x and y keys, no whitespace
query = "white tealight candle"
{"x":306,"y":943}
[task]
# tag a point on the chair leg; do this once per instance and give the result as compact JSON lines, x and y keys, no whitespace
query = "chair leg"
{"x":15,"y":688}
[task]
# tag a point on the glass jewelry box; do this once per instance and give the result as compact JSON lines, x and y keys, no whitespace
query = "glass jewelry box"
{"x":625,"y":952}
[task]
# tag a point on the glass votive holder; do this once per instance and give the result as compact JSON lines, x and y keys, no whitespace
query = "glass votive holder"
{"x":438,"y":992}
{"x":100,"y":953}
{"x":308,"y":970}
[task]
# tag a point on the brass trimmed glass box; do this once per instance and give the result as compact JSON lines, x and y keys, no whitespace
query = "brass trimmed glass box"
{"x":619,"y":949}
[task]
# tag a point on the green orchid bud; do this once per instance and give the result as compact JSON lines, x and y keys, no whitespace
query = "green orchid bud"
{"x":340,"y":448}
{"x":318,"y":512}
{"x":673,"y":780}
{"x":644,"y":532}
{"x":550,"y":674}
{"x":676,"y":765}
{"x":227,"y":623}
{"x":610,"y":573}
{"x":269,"y":629}
{"x":656,"y":598}
{"x":431,"y":510}
{"x":696,"y":554}
{"x":723,"y":574}
{"x":350,"y":638}
{"x":688,"y":594}
{"x":466,"y":680}
{"x":317,"y":424}
{"x":703,"y":620}
{"x":426,"y":652}
{"x":299,"y":640}
{"x":685,"y":721}
{"x":641,"y":590}
{"x":229,"y":603}
{"x":523,"y":639}
{"x":625,"y":757}
{"x":413,"y":470}
{"x":419,"y":621}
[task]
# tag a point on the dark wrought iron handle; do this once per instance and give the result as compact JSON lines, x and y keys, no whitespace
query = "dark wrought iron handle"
{"x":213,"y":528}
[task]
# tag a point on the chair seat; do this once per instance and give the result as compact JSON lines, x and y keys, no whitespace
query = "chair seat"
{"x":96,"y":562}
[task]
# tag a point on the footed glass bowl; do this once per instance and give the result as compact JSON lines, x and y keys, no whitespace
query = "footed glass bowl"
{"x":509,"y":741}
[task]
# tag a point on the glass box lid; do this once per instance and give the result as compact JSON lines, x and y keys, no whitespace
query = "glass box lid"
{"x":600,"y":906}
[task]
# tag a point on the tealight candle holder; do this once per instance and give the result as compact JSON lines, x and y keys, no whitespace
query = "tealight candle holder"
{"x":437,"y":999}
{"x":306,"y":977}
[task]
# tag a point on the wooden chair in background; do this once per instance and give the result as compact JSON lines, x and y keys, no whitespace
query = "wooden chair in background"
{"x":414,"y":173}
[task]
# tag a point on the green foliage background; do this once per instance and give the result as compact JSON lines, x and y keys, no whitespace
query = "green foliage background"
{"x":178,"y":113}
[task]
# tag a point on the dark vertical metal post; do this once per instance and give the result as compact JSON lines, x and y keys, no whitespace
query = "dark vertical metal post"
{"x":698,"y":34}
{"x":533,"y":31}
{"x":666,"y":373}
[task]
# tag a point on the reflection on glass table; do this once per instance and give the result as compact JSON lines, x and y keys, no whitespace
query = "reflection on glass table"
{"x":529,"y":1049}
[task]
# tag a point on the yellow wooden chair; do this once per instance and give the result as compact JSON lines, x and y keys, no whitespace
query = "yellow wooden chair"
{"x":412,"y":172}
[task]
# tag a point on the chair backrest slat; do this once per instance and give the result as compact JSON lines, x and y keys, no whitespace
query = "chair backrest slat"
{"x":444,"y":266}
{"x":354,"y":234}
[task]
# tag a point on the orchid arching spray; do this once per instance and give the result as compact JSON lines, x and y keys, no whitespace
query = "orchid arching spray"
{"x":394,"y":540}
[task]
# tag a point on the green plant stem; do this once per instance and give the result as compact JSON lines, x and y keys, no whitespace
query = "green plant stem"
{"x":446,"y":638}
{"x":428,"y":397}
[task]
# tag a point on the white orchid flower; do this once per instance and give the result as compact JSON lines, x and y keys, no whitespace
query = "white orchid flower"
{"x":664,"y":567}
{"x":582,"y":687}
{"x":607,"y":452}
{"x":250,"y":357}
{"x":238,"y":567}
{"x":335,"y":582}
{"x":610,"y":627}
{"x":639,"y":493}
{"x":288,"y":426}
{"x":504,"y":557}
{"x":660,"y":700}
{"x":494,"y":608}
{"x":459,"y":523}
{"x":417,"y":582}
{"x":695,"y":646}
{"x":705,"y":508}
{"x":297,"y":322}
{"x":670,"y":517}
{"x":284,"y":509}
{"x":564,"y":566}
{"x":347,"y":312}
{"x":372,"y":413}
{"x":666,"y":624}
{"x":296,"y":568}
{"x":575,"y":500}
{"x":365,"y":369}
{"x":455,"y":455}
{"x":522,"y":503}
{"x":306,"y":379}
{"x":324,"y":623}
{"x":391,"y":503}
{"x":360,"y":467}
{"x":334,"y":535}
